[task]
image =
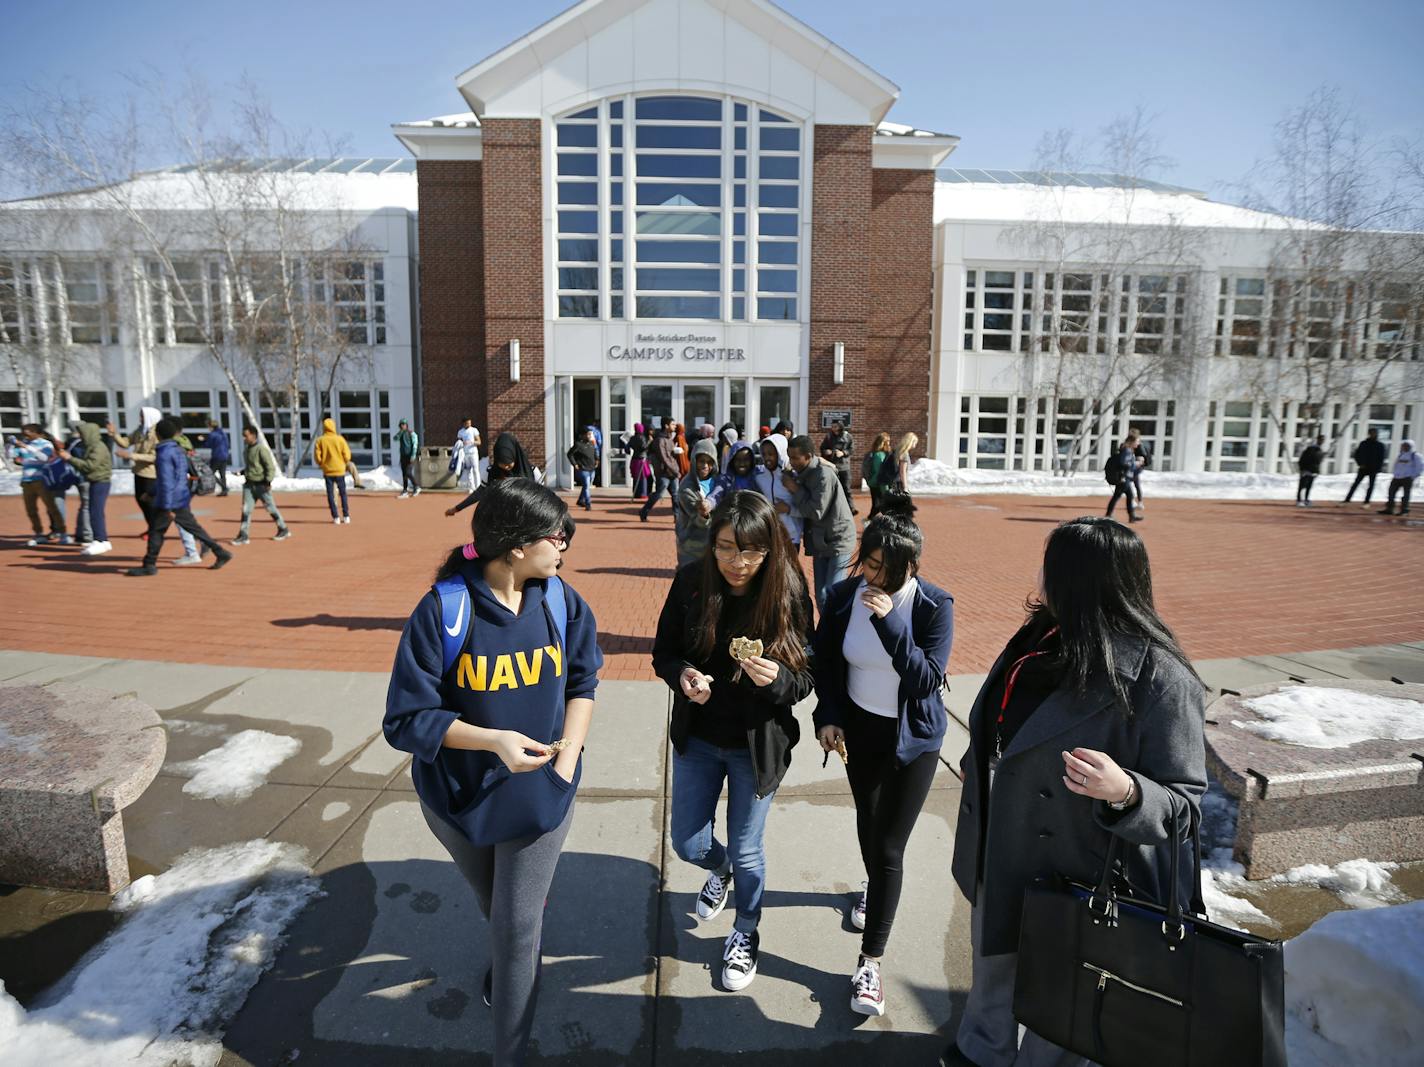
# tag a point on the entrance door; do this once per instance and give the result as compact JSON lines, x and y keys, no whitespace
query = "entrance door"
{"x":690,"y":403}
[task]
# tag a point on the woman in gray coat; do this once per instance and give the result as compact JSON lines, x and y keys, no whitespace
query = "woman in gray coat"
{"x":1089,"y":725}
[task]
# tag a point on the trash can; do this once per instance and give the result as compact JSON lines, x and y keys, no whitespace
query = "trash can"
{"x":433,"y":471}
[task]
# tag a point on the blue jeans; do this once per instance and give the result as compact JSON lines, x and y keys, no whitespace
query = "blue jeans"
{"x":826,"y":571}
{"x":697,"y":777}
{"x":661,"y":484}
{"x":584,"y":479}
{"x":334,"y":484}
{"x":98,"y":500}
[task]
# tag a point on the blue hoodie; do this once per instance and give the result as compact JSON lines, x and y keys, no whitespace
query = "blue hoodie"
{"x":731,"y":481}
{"x":170,"y":466}
{"x":512,"y":675}
{"x":221,"y":451}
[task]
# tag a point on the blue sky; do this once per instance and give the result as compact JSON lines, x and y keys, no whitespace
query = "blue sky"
{"x":1215,"y":74}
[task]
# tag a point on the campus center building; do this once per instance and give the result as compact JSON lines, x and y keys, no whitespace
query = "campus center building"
{"x":674,"y":209}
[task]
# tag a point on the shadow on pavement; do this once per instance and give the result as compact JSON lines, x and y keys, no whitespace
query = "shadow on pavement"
{"x":345,"y":622}
{"x":666,"y":573}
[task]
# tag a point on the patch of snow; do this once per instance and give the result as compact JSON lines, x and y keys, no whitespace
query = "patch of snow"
{"x":236,"y":769}
{"x":195,"y":728}
{"x":1359,"y":883}
{"x":1355,"y":987}
{"x":931,"y":477}
{"x":199,"y":936}
{"x":1314,"y":716}
{"x":334,"y":810}
{"x":376,"y":479}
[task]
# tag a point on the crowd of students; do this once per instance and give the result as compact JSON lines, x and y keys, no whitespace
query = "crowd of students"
{"x":1089,"y":724}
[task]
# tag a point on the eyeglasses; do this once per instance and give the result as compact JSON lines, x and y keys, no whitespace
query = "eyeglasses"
{"x":558,"y":540}
{"x":751,"y":557}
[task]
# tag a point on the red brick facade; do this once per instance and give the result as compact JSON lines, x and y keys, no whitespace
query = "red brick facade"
{"x":514,"y":281}
{"x":872,"y":278}
{"x":452,"y":297}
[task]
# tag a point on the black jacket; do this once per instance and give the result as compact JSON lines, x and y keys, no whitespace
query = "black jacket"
{"x":772,"y":730}
{"x":1370,"y":455}
{"x":583,"y":456}
{"x":1310,"y":459}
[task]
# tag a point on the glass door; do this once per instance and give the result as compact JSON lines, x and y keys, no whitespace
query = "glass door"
{"x":699,"y":405}
{"x":690,"y":403}
{"x":655,"y":402}
{"x":775,"y":403}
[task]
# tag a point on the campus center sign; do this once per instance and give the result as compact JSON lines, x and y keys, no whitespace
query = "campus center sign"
{"x":676,"y":347}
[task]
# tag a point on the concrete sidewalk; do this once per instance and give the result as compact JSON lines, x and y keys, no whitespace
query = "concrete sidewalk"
{"x":386,"y":968}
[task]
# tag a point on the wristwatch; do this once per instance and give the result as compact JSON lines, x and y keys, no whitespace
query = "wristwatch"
{"x":1121,"y":805}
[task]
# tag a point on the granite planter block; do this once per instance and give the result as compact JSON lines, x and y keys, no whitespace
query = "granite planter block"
{"x":1317,"y":805}
{"x":71,"y":759}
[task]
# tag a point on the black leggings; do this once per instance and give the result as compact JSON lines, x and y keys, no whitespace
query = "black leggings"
{"x":888,"y":799}
{"x":1302,"y":489}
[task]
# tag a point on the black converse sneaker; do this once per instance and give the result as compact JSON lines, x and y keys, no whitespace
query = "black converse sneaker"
{"x":713,"y":897}
{"x":866,"y":994}
{"x":739,"y":960}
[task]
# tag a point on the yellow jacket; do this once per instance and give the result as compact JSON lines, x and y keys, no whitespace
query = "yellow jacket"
{"x":331,"y":452}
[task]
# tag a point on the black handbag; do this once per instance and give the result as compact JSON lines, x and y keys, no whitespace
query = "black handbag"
{"x":1127,"y":982}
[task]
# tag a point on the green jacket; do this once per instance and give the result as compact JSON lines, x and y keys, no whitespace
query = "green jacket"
{"x":408,"y":441}
{"x":258,"y":463}
{"x":96,"y":464}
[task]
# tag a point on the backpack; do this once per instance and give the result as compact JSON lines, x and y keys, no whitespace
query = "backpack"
{"x":889,"y":470}
{"x":1112,"y":470}
{"x":202,"y":476}
{"x":59,"y":477}
{"x":868,"y":470}
{"x":454,"y":597}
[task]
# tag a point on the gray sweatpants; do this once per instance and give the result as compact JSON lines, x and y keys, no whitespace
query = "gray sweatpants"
{"x":511,"y":882}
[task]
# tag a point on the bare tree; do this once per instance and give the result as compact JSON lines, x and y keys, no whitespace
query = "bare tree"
{"x":1344,"y":291}
{"x":235,"y":253}
{"x":1118,"y":314}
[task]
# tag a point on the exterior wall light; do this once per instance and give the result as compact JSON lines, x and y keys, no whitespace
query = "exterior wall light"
{"x":514,"y":359}
{"x":838,"y":364}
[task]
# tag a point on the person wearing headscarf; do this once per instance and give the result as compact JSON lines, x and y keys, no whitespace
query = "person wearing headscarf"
{"x":140,"y":448}
{"x":727,"y":436}
{"x":707,"y":432}
{"x":507,"y":460}
{"x":679,"y":449}
{"x":639,"y":470}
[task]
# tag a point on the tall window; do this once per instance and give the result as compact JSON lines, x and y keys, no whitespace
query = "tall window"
{"x":692,"y":202}
{"x":998,"y":310}
{"x":1240,"y":316}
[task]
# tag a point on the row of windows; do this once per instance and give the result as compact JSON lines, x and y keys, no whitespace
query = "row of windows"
{"x":715,"y":224}
{"x":1257,"y":316}
{"x":1245,"y":435}
{"x":1048,"y":311}
{"x":78,"y":302}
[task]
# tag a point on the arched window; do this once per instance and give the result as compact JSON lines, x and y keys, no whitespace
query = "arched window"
{"x":678,"y":207}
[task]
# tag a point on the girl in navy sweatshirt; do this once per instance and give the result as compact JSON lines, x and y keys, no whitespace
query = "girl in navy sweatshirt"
{"x":498,"y":662}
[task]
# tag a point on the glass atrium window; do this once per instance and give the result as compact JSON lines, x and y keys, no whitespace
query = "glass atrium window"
{"x":714,"y":191}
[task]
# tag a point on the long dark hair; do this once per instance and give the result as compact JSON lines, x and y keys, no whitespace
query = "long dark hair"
{"x":512,"y":512}
{"x":1097,"y":583}
{"x":893,"y":532}
{"x":778,"y":591}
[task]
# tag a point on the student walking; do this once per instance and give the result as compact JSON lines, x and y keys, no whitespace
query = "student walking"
{"x":1369,"y":457}
{"x":33,"y":451}
{"x":906,"y":445}
{"x":171,"y":503}
{"x":664,"y":468}
{"x":492,"y":692}
{"x":219,"y":455}
{"x":1309,"y":464}
{"x":1119,"y":470}
{"x":1143,"y":452}
{"x":1408,"y":466}
{"x":408,"y":447}
{"x":467,"y":454}
{"x":680,"y":450}
{"x":828,"y":528}
{"x":731,"y":719}
{"x":583,"y":457}
{"x":91,"y":458}
{"x":836,"y":448}
{"x":882,"y":652}
{"x":768,"y":483}
{"x":507,"y":460}
{"x":878,"y":470}
{"x":1089,"y":725}
{"x":140,"y":449}
{"x":695,"y":498}
{"x":639,"y":470}
{"x":259,"y":471}
{"x":333,"y":456}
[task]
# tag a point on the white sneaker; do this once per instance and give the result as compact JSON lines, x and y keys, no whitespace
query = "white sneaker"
{"x":867,"y":995}
{"x":104,"y":546}
{"x":739,"y":960}
{"x":713,"y":897}
{"x":88,"y":550}
{"x":857,"y":912}
{"x":403,"y":495}
{"x":188,"y":561}
{"x":417,"y":491}
{"x":336,"y":521}
{"x":347,"y":520}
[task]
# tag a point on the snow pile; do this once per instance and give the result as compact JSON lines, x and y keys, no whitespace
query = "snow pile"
{"x":1359,"y":883}
{"x":161,"y":988}
{"x":1316,"y":716}
{"x":930,"y":477}
{"x":238,"y":767}
{"x":377,"y":479}
{"x":1355,"y":989}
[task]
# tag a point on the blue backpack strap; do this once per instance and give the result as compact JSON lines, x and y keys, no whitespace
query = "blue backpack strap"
{"x":558,"y":607}
{"x":455,"y":609}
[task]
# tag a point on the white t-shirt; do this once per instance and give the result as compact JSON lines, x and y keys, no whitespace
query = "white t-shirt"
{"x":871,"y":678}
{"x":468,"y":436}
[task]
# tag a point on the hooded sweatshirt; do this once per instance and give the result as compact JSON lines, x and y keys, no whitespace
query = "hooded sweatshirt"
{"x":96,"y":464}
{"x":143,"y":446}
{"x":690,"y":526}
{"x":769,"y":485}
{"x":511,"y":675}
{"x":170,"y":465}
{"x":731,"y":481}
{"x":1408,"y":464}
{"x":331,"y":452}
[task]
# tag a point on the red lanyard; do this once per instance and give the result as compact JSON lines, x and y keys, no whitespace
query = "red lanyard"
{"x":1013,"y":677}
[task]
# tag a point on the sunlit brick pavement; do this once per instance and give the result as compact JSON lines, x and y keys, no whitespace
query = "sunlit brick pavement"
{"x":1233,"y":578}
